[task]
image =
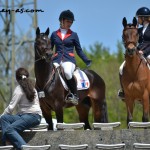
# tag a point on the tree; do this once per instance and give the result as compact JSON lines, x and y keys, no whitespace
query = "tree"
{"x":120,"y":54}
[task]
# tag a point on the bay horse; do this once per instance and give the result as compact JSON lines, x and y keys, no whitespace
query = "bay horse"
{"x":48,"y":84}
{"x":136,"y":75}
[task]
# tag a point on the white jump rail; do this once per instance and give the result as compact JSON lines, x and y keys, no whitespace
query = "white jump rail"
{"x":8,"y":147}
{"x":139,"y":125}
{"x":82,"y":146}
{"x":69,"y":126}
{"x":111,"y":146}
{"x":40,"y":147}
{"x":141,"y":146}
{"x":40,"y":127}
{"x":106,"y":126}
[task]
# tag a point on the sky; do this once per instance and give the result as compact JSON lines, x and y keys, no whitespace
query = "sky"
{"x":95,"y":20}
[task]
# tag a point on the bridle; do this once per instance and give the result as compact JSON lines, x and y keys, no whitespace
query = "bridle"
{"x":127,"y":43}
{"x":47,"y":52}
{"x":44,"y":53}
{"x":41,"y":57}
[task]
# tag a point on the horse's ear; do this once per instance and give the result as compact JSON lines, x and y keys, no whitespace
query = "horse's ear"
{"x":134,"y":21}
{"x":47,"y":31}
{"x":37,"y":31}
{"x":124,"y":22}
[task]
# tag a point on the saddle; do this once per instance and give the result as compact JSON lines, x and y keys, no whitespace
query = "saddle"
{"x":80,"y":77}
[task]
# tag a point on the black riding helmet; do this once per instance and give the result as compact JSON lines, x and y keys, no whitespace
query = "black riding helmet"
{"x":143,"y":11}
{"x":66,"y":14}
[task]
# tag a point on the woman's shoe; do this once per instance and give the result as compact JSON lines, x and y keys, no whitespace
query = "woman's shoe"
{"x":72,"y":98}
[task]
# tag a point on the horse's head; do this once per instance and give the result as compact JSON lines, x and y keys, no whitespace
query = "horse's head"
{"x":130,"y":35}
{"x":42,"y":45}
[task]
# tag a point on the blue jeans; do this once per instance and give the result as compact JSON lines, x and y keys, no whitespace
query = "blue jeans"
{"x":12,"y":125}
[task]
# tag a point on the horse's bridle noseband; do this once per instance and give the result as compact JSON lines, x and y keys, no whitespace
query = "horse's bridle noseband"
{"x":41,"y":57}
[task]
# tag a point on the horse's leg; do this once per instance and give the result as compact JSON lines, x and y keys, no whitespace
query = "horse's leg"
{"x":83,"y":111}
{"x":129,"y":106}
{"x":46,"y":111}
{"x":59,"y":114}
{"x":145,"y":107}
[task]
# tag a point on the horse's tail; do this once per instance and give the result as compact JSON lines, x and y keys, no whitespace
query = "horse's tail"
{"x":104,"y":112}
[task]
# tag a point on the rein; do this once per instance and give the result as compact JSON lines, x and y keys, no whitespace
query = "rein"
{"x":50,"y":79}
{"x":41,"y":57}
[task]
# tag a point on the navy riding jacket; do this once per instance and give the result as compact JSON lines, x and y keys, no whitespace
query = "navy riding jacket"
{"x":144,"y":40}
{"x":64,"y":49}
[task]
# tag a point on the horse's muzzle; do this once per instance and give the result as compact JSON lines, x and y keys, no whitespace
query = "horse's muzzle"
{"x":48,"y":57}
{"x":130,"y":51}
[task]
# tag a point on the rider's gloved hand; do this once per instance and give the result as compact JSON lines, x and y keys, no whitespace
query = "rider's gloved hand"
{"x":88,"y":63}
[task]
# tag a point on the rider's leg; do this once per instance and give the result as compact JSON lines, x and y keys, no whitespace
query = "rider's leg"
{"x":69,"y":68}
{"x":56,"y":65}
{"x":148,"y":57}
{"x":73,"y":88}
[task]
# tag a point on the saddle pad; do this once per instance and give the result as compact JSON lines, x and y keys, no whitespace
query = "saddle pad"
{"x":82,"y":80}
{"x":147,"y":61}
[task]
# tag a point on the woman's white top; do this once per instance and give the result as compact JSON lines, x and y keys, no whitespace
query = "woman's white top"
{"x":24,"y":105}
{"x":63,"y":32}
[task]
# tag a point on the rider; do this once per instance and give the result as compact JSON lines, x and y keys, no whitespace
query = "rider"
{"x":143,"y":16}
{"x":65,"y":40}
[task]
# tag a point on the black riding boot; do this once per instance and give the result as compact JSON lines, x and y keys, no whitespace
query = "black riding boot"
{"x":72,"y":97}
{"x":121,"y":91}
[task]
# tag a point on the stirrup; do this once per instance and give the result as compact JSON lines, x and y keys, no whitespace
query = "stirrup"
{"x":71,"y":98}
{"x":121,"y":94}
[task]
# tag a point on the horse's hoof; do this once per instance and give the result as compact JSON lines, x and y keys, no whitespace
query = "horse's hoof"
{"x":121,"y":95}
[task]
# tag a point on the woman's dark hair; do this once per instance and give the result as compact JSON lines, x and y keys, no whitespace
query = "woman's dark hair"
{"x":27,"y":85}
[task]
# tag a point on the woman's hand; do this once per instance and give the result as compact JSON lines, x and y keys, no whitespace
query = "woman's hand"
{"x":88,"y":63}
{"x":141,"y":52}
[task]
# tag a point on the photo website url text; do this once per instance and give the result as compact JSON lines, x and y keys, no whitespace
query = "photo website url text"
{"x":20,"y":10}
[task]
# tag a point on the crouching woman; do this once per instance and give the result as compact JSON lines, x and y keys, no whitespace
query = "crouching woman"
{"x":28,"y":113}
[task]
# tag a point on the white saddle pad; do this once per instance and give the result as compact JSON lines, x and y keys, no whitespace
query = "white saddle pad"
{"x":148,"y":65}
{"x":82,"y":80}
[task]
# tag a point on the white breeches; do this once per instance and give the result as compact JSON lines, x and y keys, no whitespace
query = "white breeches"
{"x":68,"y":67}
{"x":148,"y":57}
